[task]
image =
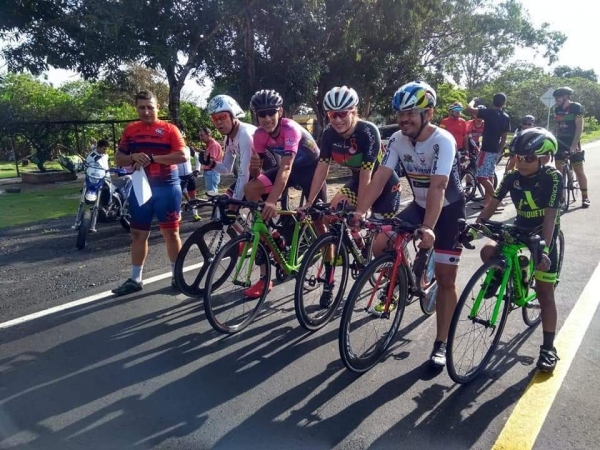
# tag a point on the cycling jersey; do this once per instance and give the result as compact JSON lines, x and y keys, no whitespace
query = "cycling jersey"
{"x":292,"y":139}
{"x":565,"y":119}
{"x":239,"y":146}
{"x":159,"y":138}
{"x":532,"y":195}
{"x":457,"y":128}
{"x":475,"y":132}
{"x":362,"y":150}
{"x":437,"y":155}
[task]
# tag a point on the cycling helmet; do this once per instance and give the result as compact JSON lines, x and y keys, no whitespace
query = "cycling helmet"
{"x":535,"y":141}
{"x":481,"y":107}
{"x":456,"y":106}
{"x":221,"y":103}
{"x":565,"y":90}
{"x":265,"y":99}
{"x":415,"y":95}
{"x":528,"y":118}
{"x":340,"y":98}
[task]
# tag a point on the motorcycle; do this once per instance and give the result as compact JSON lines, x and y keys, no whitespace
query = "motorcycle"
{"x":101,"y":200}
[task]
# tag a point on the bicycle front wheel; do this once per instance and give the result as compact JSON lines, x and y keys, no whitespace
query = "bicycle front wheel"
{"x":227,"y":307}
{"x":198,"y":251}
{"x":86,"y":219}
{"x":366,"y":329}
{"x":568,"y":181}
{"x":321,"y":282}
{"x":472,"y":339}
{"x":469,"y":184}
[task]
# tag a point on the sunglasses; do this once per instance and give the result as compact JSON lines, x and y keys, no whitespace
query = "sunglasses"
{"x":527,"y":124}
{"x":267,"y":113}
{"x":527,"y":159}
{"x":338,"y":114}
{"x":220,"y":117}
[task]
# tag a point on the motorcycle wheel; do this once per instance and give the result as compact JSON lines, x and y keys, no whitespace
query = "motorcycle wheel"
{"x":84,"y":226}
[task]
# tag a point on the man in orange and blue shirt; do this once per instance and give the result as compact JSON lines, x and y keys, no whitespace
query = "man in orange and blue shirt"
{"x":456,"y":125}
{"x":156,"y":147}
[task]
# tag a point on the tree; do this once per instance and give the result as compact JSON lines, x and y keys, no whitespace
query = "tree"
{"x":97,"y":37}
{"x":575,"y":72}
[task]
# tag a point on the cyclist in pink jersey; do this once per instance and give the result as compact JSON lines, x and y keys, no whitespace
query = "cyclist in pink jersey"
{"x":296,"y":150}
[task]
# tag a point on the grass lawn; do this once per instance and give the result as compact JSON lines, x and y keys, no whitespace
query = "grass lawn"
{"x":8,"y":169}
{"x":42,"y":204}
{"x":591,"y":136}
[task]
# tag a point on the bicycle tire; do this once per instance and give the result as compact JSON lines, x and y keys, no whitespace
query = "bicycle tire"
{"x":211,"y":300}
{"x":472,"y":183}
{"x":430,"y":285}
{"x":84,"y":226}
{"x":197,"y":239}
{"x":311,"y":258}
{"x":475,"y":283}
{"x":564,"y":205}
{"x":353,"y":362}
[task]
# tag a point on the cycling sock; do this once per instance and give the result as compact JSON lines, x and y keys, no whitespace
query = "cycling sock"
{"x":548,"y":340}
{"x":136,"y":273}
{"x":173,"y":268}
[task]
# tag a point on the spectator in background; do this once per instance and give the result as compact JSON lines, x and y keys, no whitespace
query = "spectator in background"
{"x":456,"y":125}
{"x":215,"y":152}
{"x":497,"y":126}
{"x":187,"y":177}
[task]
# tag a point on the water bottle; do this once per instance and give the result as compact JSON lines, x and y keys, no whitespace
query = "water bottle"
{"x":279,"y":240}
{"x":524,"y":263}
{"x":360,"y":243}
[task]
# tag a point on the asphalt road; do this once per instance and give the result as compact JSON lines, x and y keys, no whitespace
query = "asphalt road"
{"x":148,"y":371}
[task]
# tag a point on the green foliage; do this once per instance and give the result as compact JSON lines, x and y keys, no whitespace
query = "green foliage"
{"x":575,"y":72}
{"x":447,"y":94}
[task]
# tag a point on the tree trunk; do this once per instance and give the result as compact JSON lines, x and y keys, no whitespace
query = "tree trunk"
{"x":249,"y":51}
{"x":176,"y":81}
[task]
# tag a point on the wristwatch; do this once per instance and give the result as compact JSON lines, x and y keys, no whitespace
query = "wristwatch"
{"x":152,"y":158}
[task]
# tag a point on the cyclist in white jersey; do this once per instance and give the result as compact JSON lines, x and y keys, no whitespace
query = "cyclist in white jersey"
{"x":225,"y":113}
{"x":428,"y":156}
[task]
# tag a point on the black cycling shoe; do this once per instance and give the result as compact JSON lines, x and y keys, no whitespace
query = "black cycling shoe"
{"x":174,"y":283}
{"x":327,"y":296}
{"x":438,"y":354}
{"x":129,"y":287}
{"x":585,"y":203}
{"x":547,"y":360}
{"x":494,"y":285}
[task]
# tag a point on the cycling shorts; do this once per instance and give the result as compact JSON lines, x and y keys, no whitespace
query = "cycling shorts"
{"x":386,"y":205}
{"x":188,"y":183}
{"x":551,"y":275}
{"x":301,"y":178}
{"x":165,"y":203}
{"x":446,"y":248}
{"x":577,"y":158}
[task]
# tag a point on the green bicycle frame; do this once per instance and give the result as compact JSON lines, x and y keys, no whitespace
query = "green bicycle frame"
{"x":260,"y":231}
{"x":522,"y":296}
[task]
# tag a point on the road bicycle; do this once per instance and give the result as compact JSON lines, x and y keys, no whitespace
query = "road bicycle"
{"x":237,"y":264}
{"x":377,"y":300}
{"x":323,"y":275}
{"x":498,"y":287}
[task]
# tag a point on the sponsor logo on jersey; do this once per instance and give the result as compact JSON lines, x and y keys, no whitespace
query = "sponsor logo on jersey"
{"x":160,"y":131}
{"x":353,"y":146}
{"x":517,"y":185}
{"x":407,"y":158}
{"x":436,"y":155}
{"x":289,"y":141}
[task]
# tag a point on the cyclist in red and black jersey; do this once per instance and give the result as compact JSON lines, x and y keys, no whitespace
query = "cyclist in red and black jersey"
{"x":156,"y":147}
{"x":569,"y":126}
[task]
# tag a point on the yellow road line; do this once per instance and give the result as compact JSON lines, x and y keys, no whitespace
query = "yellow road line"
{"x":526,"y":421}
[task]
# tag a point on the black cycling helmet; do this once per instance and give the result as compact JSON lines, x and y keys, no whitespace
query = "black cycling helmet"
{"x":562,"y":91}
{"x":535,"y":141}
{"x":266,"y":99}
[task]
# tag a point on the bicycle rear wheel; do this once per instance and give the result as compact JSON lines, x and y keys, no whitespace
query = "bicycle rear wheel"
{"x":366,"y":333}
{"x":199,"y":250}
{"x":472,"y":340}
{"x":321,"y":283}
{"x":227,"y":308}
{"x":565,"y":201}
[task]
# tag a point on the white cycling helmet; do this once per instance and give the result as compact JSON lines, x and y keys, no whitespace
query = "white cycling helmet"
{"x":340,"y":99}
{"x":221,"y":103}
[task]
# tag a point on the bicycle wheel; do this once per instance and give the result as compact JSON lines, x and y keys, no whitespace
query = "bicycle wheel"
{"x":429,"y":286}
{"x":565,"y":201}
{"x":495,"y":181}
{"x":366,"y":334}
{"x":468,"y":349}
{"x":84,"y":226}
{"x":227,"y":308}
{"x":574,"y":185}
{"x":199,"y":251}
{"x":319,"y":289}
{"x":469,"y":184}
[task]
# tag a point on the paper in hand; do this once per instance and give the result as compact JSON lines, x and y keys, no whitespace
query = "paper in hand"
{"x":141,"y":187}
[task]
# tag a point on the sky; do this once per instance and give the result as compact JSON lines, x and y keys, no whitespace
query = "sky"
{"x":575,"y":18}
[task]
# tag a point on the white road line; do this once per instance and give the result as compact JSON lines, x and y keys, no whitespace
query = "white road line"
{"x":83,"y":301}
